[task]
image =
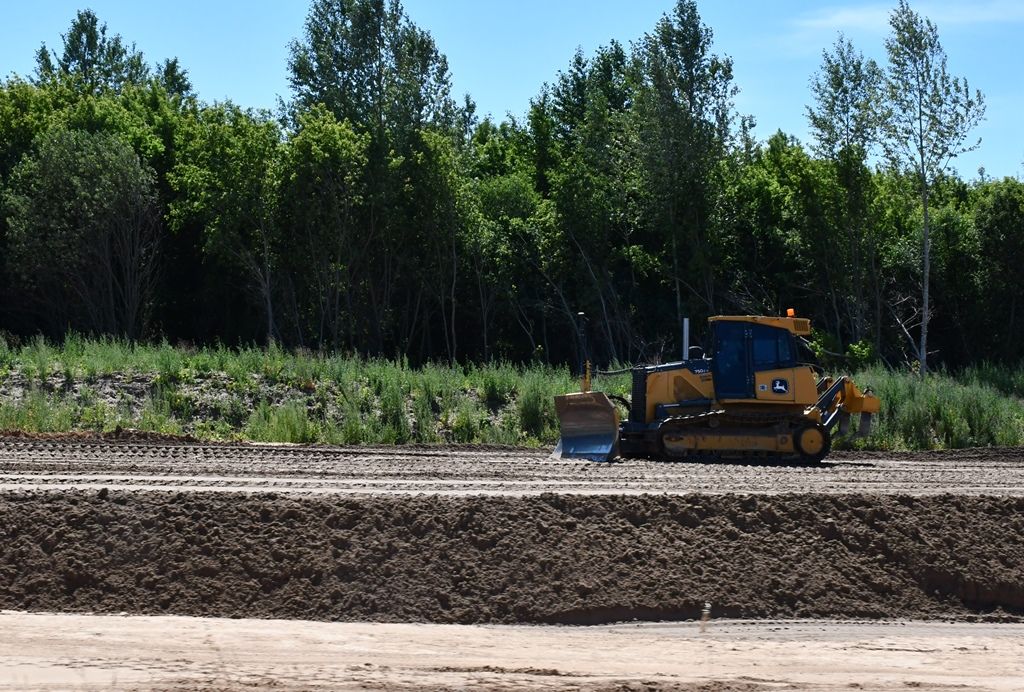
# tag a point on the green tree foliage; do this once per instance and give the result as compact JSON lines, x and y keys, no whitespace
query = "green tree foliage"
{"x":368,"y":64}
{"x":371,"y":67}
{"x":141,"y":117}
{"x":377,"y":217}
{"x":998,"y":219}
{"x":92,"y":60}
{"x":228,"y":180}
{"x":846,"y":93}
{"x":328,"y":262}
{"x":684,"y":110}
{"x":84,"y":233}
{"x":174,"y":78}
{"x":587,"y":187}
{"x":844,"y":124}
{"x":500,"y":247}
{"x":777,"y":220}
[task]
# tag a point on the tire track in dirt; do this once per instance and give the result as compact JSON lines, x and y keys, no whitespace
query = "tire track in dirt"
{"x":43,"y":465}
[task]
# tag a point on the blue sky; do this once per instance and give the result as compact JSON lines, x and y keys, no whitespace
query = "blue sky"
{"x":502,"y":52}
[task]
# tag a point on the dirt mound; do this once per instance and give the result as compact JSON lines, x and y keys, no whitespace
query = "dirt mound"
{"x":541,"y":559}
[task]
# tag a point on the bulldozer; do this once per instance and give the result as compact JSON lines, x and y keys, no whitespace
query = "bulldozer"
{"x":750,"y":396}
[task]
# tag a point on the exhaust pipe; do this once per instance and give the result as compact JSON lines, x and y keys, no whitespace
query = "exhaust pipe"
{"x":686,"y":338}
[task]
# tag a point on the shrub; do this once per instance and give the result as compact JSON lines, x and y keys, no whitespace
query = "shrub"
{"x":536,"y":407}
{"x":286,"y":423}
{"x":499,"y":384}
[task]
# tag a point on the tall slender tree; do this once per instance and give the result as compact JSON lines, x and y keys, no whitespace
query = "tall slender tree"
{"x":228,"y":180}
{"x":844,"y":125}
{"x":368,"y":64}
{"x":928,"y":116}
{"x":684,"y":104}
{"x":322,"y":187}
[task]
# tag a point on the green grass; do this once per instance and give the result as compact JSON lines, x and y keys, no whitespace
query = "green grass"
{"x":287,"y":423}
{"x":281,"y":396}
{"x":315,"y":397}
{"x":38,"y":413}
{"x":942,"y":412}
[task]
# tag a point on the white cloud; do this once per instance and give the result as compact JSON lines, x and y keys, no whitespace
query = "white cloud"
{"x":874,"y":17}
{"x":866,"y":17}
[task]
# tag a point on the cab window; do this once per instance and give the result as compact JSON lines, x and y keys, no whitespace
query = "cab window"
{"x":772,"y":348}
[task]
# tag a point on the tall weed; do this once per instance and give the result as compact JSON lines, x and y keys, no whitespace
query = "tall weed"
{"x":286,"y":423}
{"x":536,"y":406}
{"x":38,"y":412}
{"x":939,"y":412}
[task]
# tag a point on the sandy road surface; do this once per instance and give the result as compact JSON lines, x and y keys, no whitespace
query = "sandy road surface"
{"x":89,"y":652}
{"x":26,"y":465}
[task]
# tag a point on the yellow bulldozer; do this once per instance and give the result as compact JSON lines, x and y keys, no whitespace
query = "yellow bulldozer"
{"x":750,"y":396}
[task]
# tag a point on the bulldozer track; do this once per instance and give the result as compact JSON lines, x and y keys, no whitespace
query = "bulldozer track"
{"x":730,"y":418}
{"x":54,"y":465}
{"x":723,"y":421}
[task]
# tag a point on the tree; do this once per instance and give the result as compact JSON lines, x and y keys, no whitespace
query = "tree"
{"x":846,"y":90}
{"x":228,"y":181}
{"x":780,"y":249}
{"x":503,"y":195}
{"x":543,"y":152}
{"x":24,"y":114}
{"x":998,"y":210}
{"x":927,"y":117}
{"x":844,"y":124}
{"x":174,"y":78}
{"x":684,"y":111}
{"x":368,"y":64}
{"x":569,"y":97}
{"x":84,"y":233}
{"x":589,"y":188}
{"x":434,"y":215}
{"x":322,"y":179}
{"x":92,"y":59}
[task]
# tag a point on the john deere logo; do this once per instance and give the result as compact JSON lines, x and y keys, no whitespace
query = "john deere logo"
{"x":780,"y":387}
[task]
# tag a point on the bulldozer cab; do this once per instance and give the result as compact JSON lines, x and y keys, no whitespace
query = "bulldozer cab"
{"x":744,"y":347}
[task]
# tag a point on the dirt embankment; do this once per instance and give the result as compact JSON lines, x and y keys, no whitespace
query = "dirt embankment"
{"x":540,"y":559}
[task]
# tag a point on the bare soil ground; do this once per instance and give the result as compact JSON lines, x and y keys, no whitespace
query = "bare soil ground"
{"x":102,"y":652}
{"x":156,"y":465}
{"x":492,"y":535}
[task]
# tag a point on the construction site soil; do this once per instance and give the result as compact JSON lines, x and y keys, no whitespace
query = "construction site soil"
{"x":491,"y":535}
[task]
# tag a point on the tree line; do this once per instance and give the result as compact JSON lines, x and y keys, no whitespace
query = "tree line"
{"x":375,"y":213}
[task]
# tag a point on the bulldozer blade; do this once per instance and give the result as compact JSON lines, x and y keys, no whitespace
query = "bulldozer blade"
{"x":590,"y":427}
{"x":864,"y":429}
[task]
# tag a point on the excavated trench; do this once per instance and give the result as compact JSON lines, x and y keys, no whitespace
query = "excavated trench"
{"x":541,"y":558}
